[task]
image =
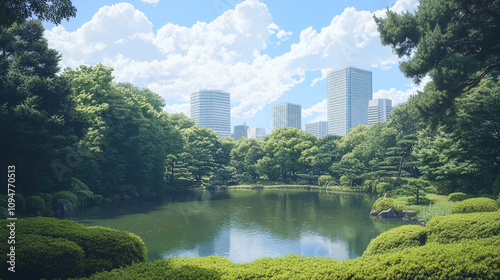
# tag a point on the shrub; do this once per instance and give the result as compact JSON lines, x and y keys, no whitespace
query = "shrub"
{"x":458,"y":196}
{"x":77,"y":185}
{"x":479,"y":204}
{"x":452,"y":228}
{"x":69,"y":196}
{"x":323,"y":180}
{"x":125,"y":189}
{"x":397,"y":239}
{"x":384,"y":203}
{"x":383,"y":187}
{"x":96,"y":199}
{"x":345,"y":181}
{"x":84,"y":197}
{"x":43,"y":257}
{"x":105,"y":249}
{"x":35,"y":205}
{"x":302,"y":182}
{"x":48,"y":204}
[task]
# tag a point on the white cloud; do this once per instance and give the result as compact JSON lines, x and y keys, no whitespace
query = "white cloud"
{"x":226,"y":53}
{"x":319,"y":107}
{"x":178,"y":108}
{"x":398,"y":96}
{"x":151,"y":1}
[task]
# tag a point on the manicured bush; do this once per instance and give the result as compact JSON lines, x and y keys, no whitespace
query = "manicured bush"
{"x":105,"y":249}
{"x":84,"y":197}
{"x":467,"y":260}
{"x":384,"y":203}
{"x":43,"y":257}
{"x":383,"y":187}
{"x":471,"y":205}
{"x":35,"y":205}
{"x":458,"y":196}
{"x":69,"y":196}
{"x":397,"y":239}
{"x":323,"y":180}
{"x":458,"y":227}
{"x":48,"y":204}
{"x":77,"y":185}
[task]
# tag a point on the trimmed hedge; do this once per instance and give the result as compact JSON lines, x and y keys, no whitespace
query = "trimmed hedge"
{"x":471,"y":259}
{"x":43,"y":257}
{"x":69,"y":196}
{"x":458,"y":227}
{"x":35,"y":205}
{"x":471,"y":205}
{"x":458,"y":196}
{"x":384,"y":203}
{"x":105,"y":249}
{"x":397,"y":239}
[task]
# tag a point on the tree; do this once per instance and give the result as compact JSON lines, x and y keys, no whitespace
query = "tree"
{"x":17,"y":11}
{"x":36,"y":104}
{"x":455,"y":42}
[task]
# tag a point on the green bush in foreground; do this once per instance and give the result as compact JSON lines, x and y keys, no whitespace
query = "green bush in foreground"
{"x":40,"y":257}
{"x":384,"y":203}
{"x":458,"y":196}
{"x":397,"y":239}
{"x":105,"y":249}
{"x":479,"y":204}
{"x":453,"y":228}
{"x":471,"y":259}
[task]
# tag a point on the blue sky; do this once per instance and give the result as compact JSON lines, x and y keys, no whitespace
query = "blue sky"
{"x":262,"y":52}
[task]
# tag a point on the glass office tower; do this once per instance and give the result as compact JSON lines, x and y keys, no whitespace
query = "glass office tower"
{"x":212,"y":109}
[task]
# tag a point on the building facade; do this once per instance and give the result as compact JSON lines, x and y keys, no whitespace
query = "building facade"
{"x":256,"y":132}
{"x":349,"y":90}
{"x":287,"y":114}
{"x":240,"y":131}
{"x":212,"y":109}
{"x":378,"y":110}
{"x":318,"y":129}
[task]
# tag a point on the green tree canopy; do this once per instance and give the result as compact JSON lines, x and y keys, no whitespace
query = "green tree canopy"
{"x":17,"y":11}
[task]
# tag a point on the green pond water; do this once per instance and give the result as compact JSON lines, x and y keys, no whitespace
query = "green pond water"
{"x":244,"y":225}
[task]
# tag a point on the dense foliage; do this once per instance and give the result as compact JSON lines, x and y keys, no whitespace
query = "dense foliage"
{"x":479,"y":204}
{"x":63,"y":248}
{"x":397,"y":239}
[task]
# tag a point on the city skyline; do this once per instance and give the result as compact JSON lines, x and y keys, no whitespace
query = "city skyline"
{"x":286,"y":115}
{"x":259,"y":51}
{"x":211,"y":109}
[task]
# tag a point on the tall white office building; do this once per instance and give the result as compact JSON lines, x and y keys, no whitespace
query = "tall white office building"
{"x":212,"y":109}
{"x":378,"y":110}
{"x":287,"y":114}
{"x":318,"y":129}
{"x":349,"y":90}
{"x":256,"y":132}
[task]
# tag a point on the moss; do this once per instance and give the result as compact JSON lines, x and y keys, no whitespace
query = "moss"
{"x":471,"y":205}
{"x":397,"y":239}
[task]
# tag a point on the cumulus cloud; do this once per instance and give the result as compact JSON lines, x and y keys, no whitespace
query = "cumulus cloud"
{"x":151,"y":1}
{"x":227,"y":53}
{"x":398,"y":96}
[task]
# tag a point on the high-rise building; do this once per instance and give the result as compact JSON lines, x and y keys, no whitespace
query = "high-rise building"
{"x":212,"y":109}
{"x":349,"y":90}
{"x":240,"y":131}
{"x":287,"y":114}
{"x":378,"y":110}
{"x":318,"y":129}
{"x":257,"y":133}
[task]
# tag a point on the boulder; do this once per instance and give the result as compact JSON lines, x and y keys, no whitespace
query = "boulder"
{"x":387,"y":195}
{"x":107,"y":200}
{"x":63,"y":208}
{"x":135,"y":195}
{"x":116,"y":197}
{"x":409,"y":213}
{"x":389,"y":213}
{"x":374,"y":213}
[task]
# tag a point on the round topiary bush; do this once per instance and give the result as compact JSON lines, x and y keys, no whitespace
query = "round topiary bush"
{"x":323,"y":180}
{"x":458,"y":196}
{"x":69,"y":196}
{"x":43,"y":257}
{"x":384,"y":203}
{"x":35,"y":205}
{"x":383,"y":187}
{"x":397,"y":238}
{"x":479,"y":204}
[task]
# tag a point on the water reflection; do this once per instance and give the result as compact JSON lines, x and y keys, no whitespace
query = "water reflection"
{"x":247,"y":224}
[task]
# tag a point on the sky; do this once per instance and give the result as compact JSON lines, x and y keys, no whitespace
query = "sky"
{"x":263,"y":52}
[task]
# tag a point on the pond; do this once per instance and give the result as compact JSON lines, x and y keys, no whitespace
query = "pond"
{"x":244,"y":225}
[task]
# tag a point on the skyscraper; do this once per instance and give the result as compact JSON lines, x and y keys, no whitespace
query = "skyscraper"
{"x":349,"y":90}
{"x":212,"y":109}
{"x":378,"y":110}
{"x":318,"y":129}
{"x":287,"y":114}
{"x":240,"y":131}
{"x":257,"y":133}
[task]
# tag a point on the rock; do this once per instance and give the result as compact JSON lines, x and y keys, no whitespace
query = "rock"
{"x":126,"y":197}
{"x":389,"y":213}
{"x":422,"y":222}
{"x":116,"y":197}
{"x":63,"y":208}
{"x":307,"y":188}
{"x":135,"y":195}
{"x":387,"y":195}
{"x":107,"y":200}
{"x":374,"y":212}
{"x":409,"y":213}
